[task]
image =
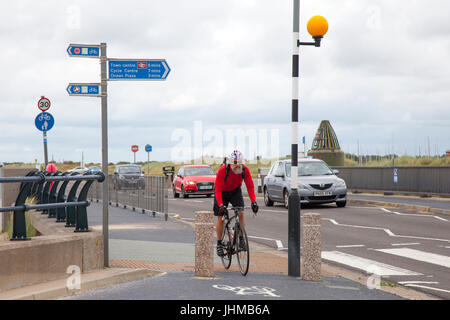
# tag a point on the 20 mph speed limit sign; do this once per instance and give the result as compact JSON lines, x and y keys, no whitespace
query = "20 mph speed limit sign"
{"x":43,"y":104}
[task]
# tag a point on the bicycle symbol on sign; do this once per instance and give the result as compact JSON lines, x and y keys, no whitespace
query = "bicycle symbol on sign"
{"x":44,"y":116}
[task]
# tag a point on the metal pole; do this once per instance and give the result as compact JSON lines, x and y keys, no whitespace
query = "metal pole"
{"x":44,"y":134}
{"x":105,"y":195}
{"x":294,"y":199}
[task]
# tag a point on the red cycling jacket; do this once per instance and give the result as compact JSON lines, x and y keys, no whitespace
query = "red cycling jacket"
{"x":233,"y":181}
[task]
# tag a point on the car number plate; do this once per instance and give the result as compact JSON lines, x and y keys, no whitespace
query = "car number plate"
{"x":323,"y":193}
{"x":205,"y":187}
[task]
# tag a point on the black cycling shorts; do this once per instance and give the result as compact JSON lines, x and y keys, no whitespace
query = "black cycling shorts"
{"x":234,"y":197}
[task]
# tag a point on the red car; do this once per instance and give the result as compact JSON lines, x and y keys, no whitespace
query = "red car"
{"x":194,"y":179}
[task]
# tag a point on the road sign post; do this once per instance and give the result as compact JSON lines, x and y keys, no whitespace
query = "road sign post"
{"x":104,"y":102}
{"x":134,"y":149}
{"x":44,"y":122}
{"x":148,"y":149}
{"x":119,"y":69}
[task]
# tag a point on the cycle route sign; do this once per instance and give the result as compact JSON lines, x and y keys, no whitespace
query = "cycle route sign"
{"x":44,"y":121}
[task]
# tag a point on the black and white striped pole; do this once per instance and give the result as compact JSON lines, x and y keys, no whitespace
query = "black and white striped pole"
{"x":317,"y":27}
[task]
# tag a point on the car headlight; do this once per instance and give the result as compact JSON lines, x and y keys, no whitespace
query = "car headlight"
{"x":340,"y":184}
{"x":302,"y":186}
{"x":190,"y":182}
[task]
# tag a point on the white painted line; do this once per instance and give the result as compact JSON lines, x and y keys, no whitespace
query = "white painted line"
{"x":413,"y":214}
{"x":369,"y":266}
{"x":389,"y":232}
{"x":405,"y":244}
{"x":351,"y":246}
{"x":418,"y":255}
{"x":277,"y":211}
{"x":279,"y":244}
{"x":418,"y":282}
{"x":425,"y":287}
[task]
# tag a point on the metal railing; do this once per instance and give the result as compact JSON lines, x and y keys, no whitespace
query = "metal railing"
{"x":146,"y":193}
{"x":413,"y":179}
{"x":43,"y":187}
{"x":417,"y":179}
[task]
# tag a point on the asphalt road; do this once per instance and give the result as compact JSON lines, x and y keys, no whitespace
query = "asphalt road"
{"x":403,"y":247}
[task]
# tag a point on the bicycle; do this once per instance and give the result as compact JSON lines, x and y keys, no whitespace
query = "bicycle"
{"x":231,"y":242}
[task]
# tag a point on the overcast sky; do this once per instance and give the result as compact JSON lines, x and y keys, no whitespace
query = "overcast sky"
{"x":381,"y":76}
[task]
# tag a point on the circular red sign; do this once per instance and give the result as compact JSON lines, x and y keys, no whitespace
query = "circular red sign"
{"x":44,"y":104}
{"x":77,"y":50}
{"x":134,"y":148}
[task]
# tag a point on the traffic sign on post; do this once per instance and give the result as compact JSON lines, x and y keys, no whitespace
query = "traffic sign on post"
{"x":84,"y":50}
{"x":134,"y":148}
{"x":44,"y":121}
{"x":148,"y":148}
{"x":132,"y":69}
{"x":84,"y":89}
{"x":44,"y":104}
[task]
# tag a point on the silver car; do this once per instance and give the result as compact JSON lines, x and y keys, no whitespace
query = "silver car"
{"x":317,"y":183}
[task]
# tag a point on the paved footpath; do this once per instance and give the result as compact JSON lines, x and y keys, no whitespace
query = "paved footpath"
{"x":142,"y":241}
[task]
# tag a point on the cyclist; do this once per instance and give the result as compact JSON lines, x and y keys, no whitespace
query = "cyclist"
{"x":228,"y":190}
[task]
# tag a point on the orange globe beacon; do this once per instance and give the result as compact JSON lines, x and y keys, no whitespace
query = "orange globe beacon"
{"x":317,"y":26}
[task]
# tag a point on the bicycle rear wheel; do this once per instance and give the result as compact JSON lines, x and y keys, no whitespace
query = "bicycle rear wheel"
{"x":228,"y":248}
{"x":242,"y":250}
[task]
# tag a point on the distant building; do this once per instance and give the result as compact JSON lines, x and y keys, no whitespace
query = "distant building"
{"x":326,"y":145}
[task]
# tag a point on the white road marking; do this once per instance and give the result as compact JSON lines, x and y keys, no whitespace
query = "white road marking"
{"x":405,"y":244}
{"x":426,"y":287}
{"x":389,"y":232}
{"x":418,"y":282}
{"x":418,"y":255}
{"x":351,"y":246}
{"x":413,"y":214}
{"x":367,"y":265}
{"x":279,"y":243}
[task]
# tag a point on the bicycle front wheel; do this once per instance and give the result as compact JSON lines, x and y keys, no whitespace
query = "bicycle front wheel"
{"x":242,"y":249}
{"x":228,"y":247}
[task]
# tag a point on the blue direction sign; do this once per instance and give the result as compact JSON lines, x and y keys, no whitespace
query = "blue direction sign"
{"x":44,"y":121}
{"x":84,"y":89}
{"x":83,"y":50}
{"x":131,"y":69}
{"x":148,"y":148}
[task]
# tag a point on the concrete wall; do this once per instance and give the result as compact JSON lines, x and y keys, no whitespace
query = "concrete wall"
{"x":10,"y":191}
{"x":47,"y":257}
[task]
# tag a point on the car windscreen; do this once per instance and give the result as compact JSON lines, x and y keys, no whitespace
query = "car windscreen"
{"x":310,"y":169}
{"x":129,"y":170}
{"x":198,"y":171}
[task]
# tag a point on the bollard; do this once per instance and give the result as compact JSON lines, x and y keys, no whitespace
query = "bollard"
{"x":311,"y":246}
{"x":204,"y":244}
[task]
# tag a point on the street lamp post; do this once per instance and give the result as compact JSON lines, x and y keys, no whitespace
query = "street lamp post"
{"x":317,"y":27}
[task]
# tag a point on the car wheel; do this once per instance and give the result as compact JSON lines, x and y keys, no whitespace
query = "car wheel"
{"x":175,"y":194}
{"x":341,"y":204}
{"x":286,"y":199}
{"x":183,"y":193}
{"x":267,"y":200}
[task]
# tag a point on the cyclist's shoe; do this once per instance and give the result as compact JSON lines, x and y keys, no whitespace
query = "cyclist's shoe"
{"x":220,"y":251}
{"x":242,"y":246}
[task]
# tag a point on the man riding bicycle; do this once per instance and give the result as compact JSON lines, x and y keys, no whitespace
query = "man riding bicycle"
{"x":228,"y":190}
